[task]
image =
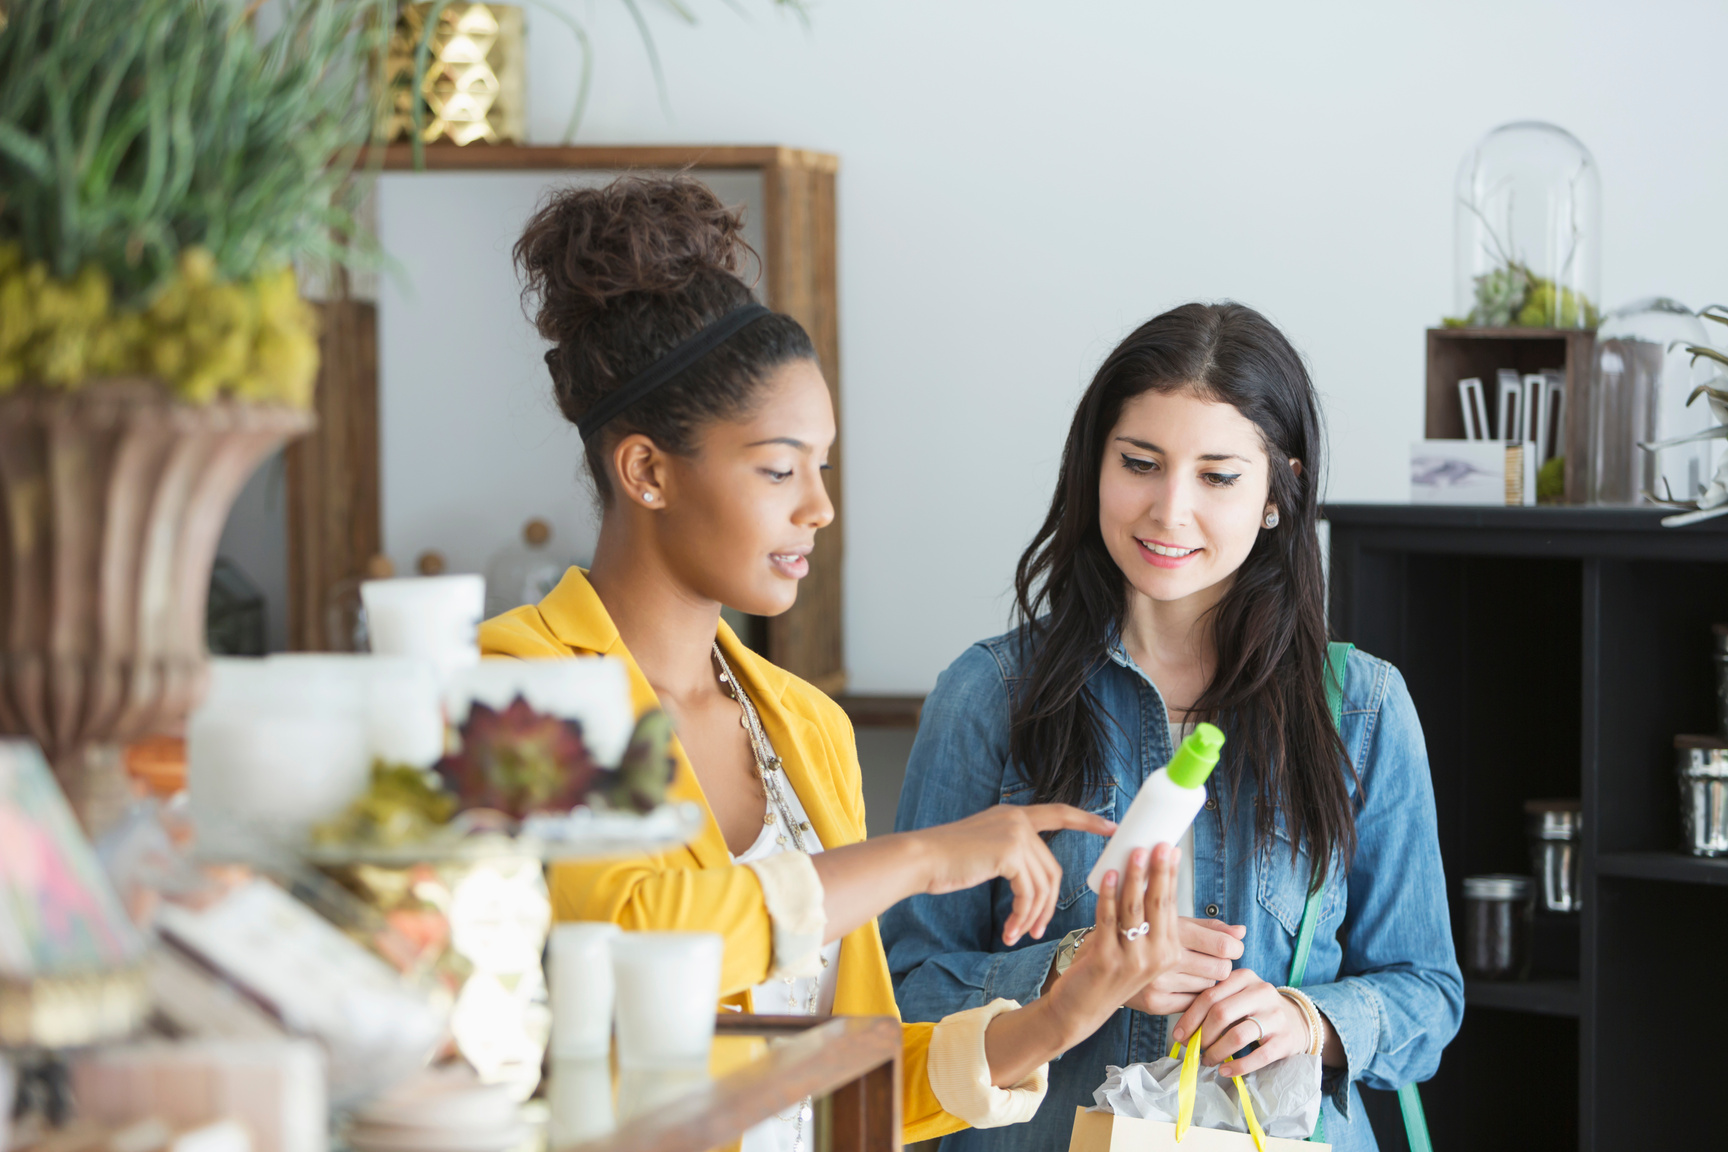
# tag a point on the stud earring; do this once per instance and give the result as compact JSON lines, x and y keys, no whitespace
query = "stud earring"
{"x":1272,"y":518}
{"x":649,"y":496}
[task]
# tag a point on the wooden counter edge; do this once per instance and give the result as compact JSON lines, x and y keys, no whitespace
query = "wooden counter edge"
{"x":882,"y":711}
{"x":827,"y":1058}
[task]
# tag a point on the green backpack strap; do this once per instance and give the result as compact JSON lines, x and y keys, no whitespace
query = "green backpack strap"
{"x":1409,"y":1099}
{"x":1337,"y":657}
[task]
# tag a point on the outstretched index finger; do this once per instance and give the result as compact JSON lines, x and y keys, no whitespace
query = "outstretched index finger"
{"x":1050,"y":817}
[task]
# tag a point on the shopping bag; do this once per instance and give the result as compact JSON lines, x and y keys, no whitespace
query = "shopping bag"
{"x":1103,"y":1132}
{"x":1097,"y":1131}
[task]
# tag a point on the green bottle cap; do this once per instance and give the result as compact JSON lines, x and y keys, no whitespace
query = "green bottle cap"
{"x":1197,"y":757}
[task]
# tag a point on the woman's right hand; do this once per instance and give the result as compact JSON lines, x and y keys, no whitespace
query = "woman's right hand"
{"x":1110,"y":968}
{"x":1004,"y":841}
{"x":1208,"y":947}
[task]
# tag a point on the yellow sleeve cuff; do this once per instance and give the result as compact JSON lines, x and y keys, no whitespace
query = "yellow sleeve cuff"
{"x":959,"y":1072}
{"x":796,"y":908}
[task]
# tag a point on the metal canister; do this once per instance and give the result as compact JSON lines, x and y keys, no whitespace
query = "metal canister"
{"x":1554,"y":827}
{"x":1497,"y":927}
{"x":1703,"y":769}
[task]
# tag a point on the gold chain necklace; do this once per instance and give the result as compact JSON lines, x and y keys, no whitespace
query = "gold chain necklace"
{"x":772,"y":773}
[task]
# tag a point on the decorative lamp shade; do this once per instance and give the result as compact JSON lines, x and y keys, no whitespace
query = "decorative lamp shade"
{"x":1527,"y":245}
{"x":474,"y":84}
{"x":1640,"y":383}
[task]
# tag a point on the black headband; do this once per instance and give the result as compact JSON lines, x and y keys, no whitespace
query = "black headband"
{"x":668,"y":366}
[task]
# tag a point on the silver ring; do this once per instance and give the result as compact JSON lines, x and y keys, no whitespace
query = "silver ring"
{"x":1136,"y":933}
{"x":1258,"y":1027}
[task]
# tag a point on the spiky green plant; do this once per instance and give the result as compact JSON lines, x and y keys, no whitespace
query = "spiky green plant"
{"x":1719,"y":314}
{"x":162,"y":164}
{"x":131,"y":131}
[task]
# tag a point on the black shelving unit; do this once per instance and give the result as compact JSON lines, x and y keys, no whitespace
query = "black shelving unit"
{"x":1556,"y":652}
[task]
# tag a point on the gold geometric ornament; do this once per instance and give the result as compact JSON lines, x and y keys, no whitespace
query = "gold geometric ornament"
{"x":474,"y":83}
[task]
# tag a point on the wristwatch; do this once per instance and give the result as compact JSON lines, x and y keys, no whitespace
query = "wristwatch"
{"x":1069,"y":948}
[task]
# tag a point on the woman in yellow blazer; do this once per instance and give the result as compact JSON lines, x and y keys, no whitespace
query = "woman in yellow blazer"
{"x":706,"y":424}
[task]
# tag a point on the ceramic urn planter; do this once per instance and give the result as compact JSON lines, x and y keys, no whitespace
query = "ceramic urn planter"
{"x":112,"y":499}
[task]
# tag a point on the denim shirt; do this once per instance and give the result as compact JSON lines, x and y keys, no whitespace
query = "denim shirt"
{"x":1382,"y":966}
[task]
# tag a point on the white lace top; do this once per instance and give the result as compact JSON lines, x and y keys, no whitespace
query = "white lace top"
{"x":776,"y":996}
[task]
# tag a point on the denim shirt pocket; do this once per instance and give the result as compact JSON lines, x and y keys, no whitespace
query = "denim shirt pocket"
{"x":1075,"y":851}
{"x":1283,"y":886}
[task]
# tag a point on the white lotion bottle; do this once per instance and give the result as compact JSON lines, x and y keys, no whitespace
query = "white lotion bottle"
{"x":1165,"y":805}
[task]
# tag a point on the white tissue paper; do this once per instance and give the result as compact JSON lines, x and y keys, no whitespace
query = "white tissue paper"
{"x":1285,"y":1095}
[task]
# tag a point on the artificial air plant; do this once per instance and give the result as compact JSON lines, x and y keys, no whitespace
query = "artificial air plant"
{"x":1713,"y":501}
{"x":163,"y":164}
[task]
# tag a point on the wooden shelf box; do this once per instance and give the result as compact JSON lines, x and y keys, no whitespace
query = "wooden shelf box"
{"x":1456,"y":354}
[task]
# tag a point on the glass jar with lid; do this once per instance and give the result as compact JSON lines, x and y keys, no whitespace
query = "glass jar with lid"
{"x":524,"y":570}
{"x":1525,"y":243}
{"x":1640,"y":383}
{"x":1498,"y":915}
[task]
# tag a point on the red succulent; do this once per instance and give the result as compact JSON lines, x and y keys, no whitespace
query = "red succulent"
{"x":520,"y":761}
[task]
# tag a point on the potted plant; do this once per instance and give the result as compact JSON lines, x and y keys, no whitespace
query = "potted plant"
{"x":163,"y":165}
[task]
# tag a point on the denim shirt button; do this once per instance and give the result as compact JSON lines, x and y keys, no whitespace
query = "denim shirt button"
{"x":1211,"y":909}
{"x":1211,"y":804}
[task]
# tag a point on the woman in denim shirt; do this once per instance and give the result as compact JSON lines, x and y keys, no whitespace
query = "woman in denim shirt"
{"x":1177,"y":578}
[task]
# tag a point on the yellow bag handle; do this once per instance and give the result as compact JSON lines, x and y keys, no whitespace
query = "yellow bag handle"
{"x":1189,"y":1084}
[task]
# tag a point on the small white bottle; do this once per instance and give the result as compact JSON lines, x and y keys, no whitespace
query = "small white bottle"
{"x":1165,"y":805}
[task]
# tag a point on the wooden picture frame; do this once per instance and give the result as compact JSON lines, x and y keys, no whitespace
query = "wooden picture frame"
{"x":334,"y":514}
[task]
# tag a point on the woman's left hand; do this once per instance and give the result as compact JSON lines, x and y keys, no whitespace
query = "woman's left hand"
{"x":1237,"y":1011}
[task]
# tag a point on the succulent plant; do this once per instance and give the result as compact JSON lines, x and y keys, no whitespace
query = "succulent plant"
{"x":646,"y":770}
{"x":1511,"y":296}
{"x":1499,"y":296}
{"x":402,"y":805}
{"x":520,"y":761}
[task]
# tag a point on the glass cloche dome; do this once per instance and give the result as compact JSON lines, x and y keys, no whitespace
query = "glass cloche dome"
{"x":1640,"y":383}
{"x":1526,"y":234}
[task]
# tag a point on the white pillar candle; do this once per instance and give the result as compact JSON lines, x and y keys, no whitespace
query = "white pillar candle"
{"x":433,"y":617}
{"x":398,"y":697}
{"x":667,"y":985}
{"x":404,"y":711}
{"x":581,"y":986}
{"x":260,"y":774}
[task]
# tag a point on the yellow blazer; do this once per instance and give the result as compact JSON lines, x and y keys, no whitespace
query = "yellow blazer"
{"x":698,"y":888}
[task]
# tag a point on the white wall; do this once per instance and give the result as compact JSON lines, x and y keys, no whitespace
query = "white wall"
{"x":472,"y":443}
{"x":1023,"y":182}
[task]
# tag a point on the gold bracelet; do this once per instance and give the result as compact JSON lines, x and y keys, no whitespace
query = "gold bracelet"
{"x":1311,"y":1013}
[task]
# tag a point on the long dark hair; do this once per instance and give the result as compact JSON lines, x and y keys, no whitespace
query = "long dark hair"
{"x":1270,"y":626}
{"x":620,"y":275}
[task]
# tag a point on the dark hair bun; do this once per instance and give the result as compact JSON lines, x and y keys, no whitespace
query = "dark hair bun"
{"x":587,"y":247}
{"x":617,"y":277}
